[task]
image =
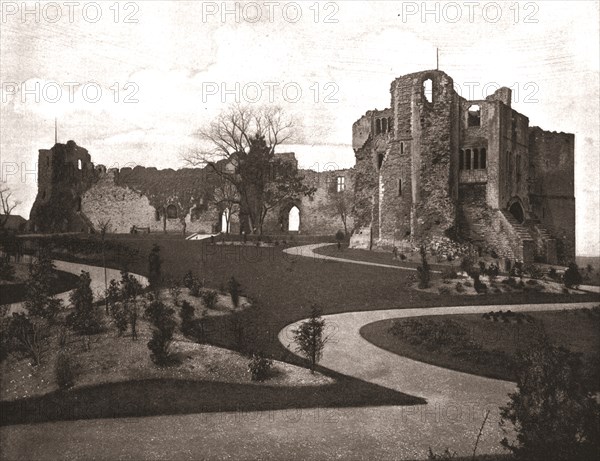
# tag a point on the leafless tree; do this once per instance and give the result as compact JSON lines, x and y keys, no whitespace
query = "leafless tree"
{"x":8,"y":205}
{"x":229,"y":139}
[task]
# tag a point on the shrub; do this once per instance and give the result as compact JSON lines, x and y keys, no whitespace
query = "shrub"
{"x":468,"y":284}
{"x":479,"y":286}
{"x":553,"y":412}
{"x":85,"y":318}
{"x":39,"y":302}
{"x":552,"y":273}
{"x":534,"y":271}
{"x":154,"y":267}
{"x":443,"y":456}
{"x":234,"y":291}
{"x":30,"y":334}
{"x":259,"y":367}
{"x":7,"y":271}
{"x":424,"y":270}
{"x":64,"y":371}
{"x":459,"y":287}
{"x":448,"y":273}
{"x":162,"y":320}
{"x":466,"y":264}
{"x":572,"y":277}
{"x":444,"y":290}
{"x":402,"y":257}
{"x":340,"y":236}
{"x":186,"y":313}
{"x":196,"y":288}
{"x":188,"y":279}
{"x":175,"y":291}
{"x":209,"y":298}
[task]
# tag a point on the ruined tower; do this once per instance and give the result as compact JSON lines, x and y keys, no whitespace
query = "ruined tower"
{"x":437,"y":165}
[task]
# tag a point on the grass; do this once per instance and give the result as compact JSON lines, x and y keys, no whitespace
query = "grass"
{"x":13,"y":292}
{"x":283,"y":287}
{"x":473,"y":344}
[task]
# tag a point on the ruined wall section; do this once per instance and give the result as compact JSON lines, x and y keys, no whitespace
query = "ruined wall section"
{"x":552,"y":188}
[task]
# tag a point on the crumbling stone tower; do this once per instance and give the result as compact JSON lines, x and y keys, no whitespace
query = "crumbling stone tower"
{"x":65,"y":172}
{"x":437,"y":165}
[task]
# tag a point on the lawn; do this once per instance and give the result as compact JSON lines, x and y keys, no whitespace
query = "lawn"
{"x":14,"y":291}
{"x":283,"y":287}
{"x":488,"y":345}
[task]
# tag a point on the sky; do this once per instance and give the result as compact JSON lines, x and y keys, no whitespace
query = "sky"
{"x":132,"y":82}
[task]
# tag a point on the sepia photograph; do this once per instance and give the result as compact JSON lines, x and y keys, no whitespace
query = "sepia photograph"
{"x":300,"y":230}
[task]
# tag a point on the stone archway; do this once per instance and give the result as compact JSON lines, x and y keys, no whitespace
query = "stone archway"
{"x":516,"y":209}
{"x":225,"y":223}
{"x":294,"y":219}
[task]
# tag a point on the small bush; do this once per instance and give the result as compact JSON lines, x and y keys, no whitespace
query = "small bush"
{"x":468,"y":284}
{"x":7,"y":271}
{"x":64,"y":371}
{"x":162,"y":320}
{"x":188,"y":280}
{"x":196,"y":288}
{"x":186,"y":313}
{"x":448,"y":273}
{"x":459,"y":287}
{"x":572,"y":277}
{"x":552,"y":273}
{"x":340,"y":236}
{"x":259,"y":367}
{"x":175,"y":291}
{"x":444,"y":290}
{"x":479,"y":286}
{"x":402,"y":257}
{"x":209,"y":298}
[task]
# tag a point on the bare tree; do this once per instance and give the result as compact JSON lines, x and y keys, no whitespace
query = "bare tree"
{"x":341,"y":205}
{"x":231,"y":155}
{"x":8,"y":205}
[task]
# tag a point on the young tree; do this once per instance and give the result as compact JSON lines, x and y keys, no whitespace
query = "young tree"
{"x":424,"y":270}
{"x":39,"y":301}
{"x":572,"y":277}
{"x":310,"y":337}
{"x":131,"y":288}
{"x":164,"y":325}
{"x":242,"y":152}
{"x":234,"y":291}
{"x":30,"y":333}
{"x":553,"y":412}
{"x":340,"y":204}
{"x":154,"y":267}
{"x":85,"y":318}
{"x":117,"y":309}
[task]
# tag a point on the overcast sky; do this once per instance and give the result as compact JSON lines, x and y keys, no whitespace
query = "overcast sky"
{"x":132,"y":84}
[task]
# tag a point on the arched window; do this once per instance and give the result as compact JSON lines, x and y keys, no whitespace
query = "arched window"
{"x":475,"y":159}
{"x":401,"y":148}
{"x":79,"y":164}
{"x":461,"y":160}
{"x":378,"y":126}
{"x":389,"y":123}
{"x":384,"y":127}
{"x":78,"y":204}
{"x":468,"y":159}
{"x":428,"y":90}
{"x":379,"y":161}
{"x":294,"y":219}
{"x":171,"y":212}
{"x":399,"y":187}
{"x":482,"y":159}
{"x":474,"y":116}
{"x":156,"y":215}
{"x":225,"y":225}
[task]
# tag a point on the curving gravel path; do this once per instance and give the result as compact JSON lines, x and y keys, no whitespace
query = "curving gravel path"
{"x":97,"y":281}
{"x":456,"y":401}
